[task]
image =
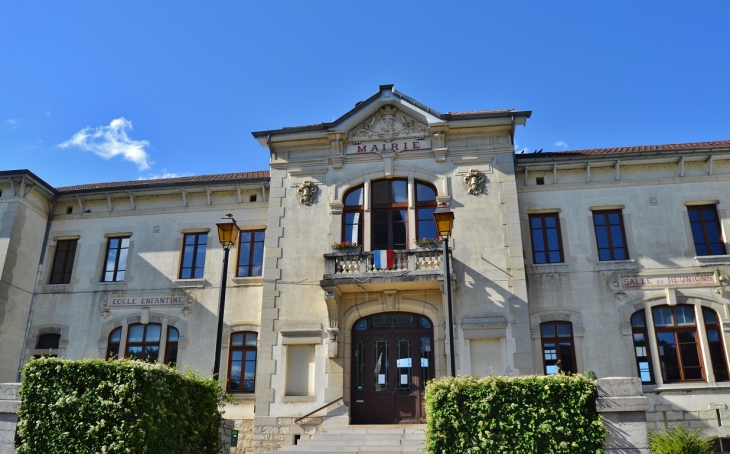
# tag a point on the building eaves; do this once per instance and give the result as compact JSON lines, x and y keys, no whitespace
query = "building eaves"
{"x":165,"y":183}
{"x":20,"y":173}
{"x":612,"y":153}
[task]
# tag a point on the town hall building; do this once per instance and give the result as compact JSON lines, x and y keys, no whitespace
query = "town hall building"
{"x":338,"y":306}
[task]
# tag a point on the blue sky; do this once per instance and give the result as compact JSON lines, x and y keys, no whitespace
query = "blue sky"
{"x":108,"y":91}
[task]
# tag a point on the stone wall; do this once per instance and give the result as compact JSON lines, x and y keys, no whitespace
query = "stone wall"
{"x":9,"y":405}
{"x":623,"y":407}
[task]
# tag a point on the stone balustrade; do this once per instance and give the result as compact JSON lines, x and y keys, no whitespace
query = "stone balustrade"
{"x":357,"y":262}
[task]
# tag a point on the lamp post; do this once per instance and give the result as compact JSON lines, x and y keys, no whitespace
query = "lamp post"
{"x":227,"y":234}
{"x":444,"y":218}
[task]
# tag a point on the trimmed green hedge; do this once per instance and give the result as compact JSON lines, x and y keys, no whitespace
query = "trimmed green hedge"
{"x":121,"y":406}
{"x":517,"y":415}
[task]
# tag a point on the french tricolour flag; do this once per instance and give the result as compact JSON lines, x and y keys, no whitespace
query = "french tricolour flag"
{"x":383,"y":259}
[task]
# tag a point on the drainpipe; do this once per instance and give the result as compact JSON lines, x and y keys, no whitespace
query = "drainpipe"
{"x":37,"y":283}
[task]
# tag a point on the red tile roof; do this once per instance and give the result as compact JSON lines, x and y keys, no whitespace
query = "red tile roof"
{"x":638,"y":149}
{"x":165,"y":181}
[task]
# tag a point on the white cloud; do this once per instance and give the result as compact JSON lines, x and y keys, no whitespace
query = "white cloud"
{"x":519,"y":149}
{"x":164,"y":174}
{"x":561,"y":144}
{"x":110,"y":141}
{"x":12,"y":121}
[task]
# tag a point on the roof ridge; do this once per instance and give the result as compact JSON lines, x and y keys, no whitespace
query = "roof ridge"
{"x":638,"y":148}
{"x":185,"y":179}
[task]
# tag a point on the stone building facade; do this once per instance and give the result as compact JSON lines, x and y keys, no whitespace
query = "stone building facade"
{"x":607,"y":260}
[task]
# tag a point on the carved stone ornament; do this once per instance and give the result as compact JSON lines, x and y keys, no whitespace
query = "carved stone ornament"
{"x":388,"y":125}
{"x":474,"y":179}
{"x":307,"y":192}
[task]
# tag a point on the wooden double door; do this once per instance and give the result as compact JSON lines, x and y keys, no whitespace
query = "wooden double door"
{"x":392,"y":359}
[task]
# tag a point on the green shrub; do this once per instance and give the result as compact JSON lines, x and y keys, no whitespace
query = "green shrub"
{"x":121,"y":406}
{"x":516,"y":415}
{"x":678,"y":440}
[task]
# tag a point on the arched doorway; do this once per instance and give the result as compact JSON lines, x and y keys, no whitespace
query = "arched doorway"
{"x":392,"y":359}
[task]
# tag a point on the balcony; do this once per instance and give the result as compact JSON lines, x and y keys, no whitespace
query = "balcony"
{"x":415,"y":265}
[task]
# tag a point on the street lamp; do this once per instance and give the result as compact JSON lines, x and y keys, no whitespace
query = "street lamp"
{"x":227,"y":234}
{"x":444,"y":218}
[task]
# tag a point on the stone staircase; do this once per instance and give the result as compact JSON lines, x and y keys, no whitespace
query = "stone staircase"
{"x":364,"y":439}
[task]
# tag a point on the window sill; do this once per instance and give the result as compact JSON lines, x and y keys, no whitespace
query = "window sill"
{"x":57,"y":288}
{"x":115,"y":285}
{"x":297,"y":399}
{"x":612,"y":265}
{"x":686,"y":386}
{"x":253,"y":281}
{"x":242,"y":396}
{"x":711,"y":260}
{"x":190,"y":283}
{"x":548,"y":268}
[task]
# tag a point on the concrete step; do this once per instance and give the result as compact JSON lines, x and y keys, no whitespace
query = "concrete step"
{"x":364,"y":439}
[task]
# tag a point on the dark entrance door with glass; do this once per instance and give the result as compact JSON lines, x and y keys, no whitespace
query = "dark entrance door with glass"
{"x":392,"y":359}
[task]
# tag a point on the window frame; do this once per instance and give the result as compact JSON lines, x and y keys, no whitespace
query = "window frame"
{"x":193,"y":264}
{"x":609,"y":236}
{"x":116,"y":269}
{"x":243,"y":349}
{"x":67,"y":257}
{"x":251,"y":244}
{"x":55,"y":345}
{"x":354,"y":209}
{"x":556,"y":339}
{"x":544,"y":229}
{"x":390,"y":207}
{"x":675,"y":329}
{"x":635,"y":329}
{"x":720,"y":350}
{"x":424,"y":205}
{"x":699,"y":209}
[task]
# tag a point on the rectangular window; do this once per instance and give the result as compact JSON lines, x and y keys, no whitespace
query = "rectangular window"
{"x":115,"y":263}
{"x":547,"y":245}
{"x":706,"y":230}
{"x":63,"y":262}
{"x":610,"y":235}
{"x":242,"y":365}
{"x":251,"y":253}
{"x":193,"y":255}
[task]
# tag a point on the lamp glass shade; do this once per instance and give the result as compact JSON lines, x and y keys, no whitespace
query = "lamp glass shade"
{"x":444,"y":218}
{"x":227,"y":233}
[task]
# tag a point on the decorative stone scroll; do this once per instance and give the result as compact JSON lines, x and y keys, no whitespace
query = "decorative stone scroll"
{"x":474,"y":180}
{"x":388,"y":125}
{"x":307,"y":192}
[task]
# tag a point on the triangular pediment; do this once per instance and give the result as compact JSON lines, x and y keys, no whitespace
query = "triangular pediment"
{"x":387,"y":124}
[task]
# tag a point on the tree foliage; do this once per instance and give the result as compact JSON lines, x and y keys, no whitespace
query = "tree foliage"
{"x":515,"y":415}
{"x":121,"y":406}
{"x":678,"y":440}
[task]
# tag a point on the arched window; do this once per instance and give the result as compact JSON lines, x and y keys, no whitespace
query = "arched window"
{"x":389,"y":225}
{"x":677,"y":343}
{"x":352,"y":226}
{"x":558,"y":347}
{"x":641,"y":347}
{"x":48,"y":341}
{"x":143,"y":343}
{"x":714,"y":339}
{"x":425,"y":206}
{"x":112,"y":348}
{"x":242,"y":362}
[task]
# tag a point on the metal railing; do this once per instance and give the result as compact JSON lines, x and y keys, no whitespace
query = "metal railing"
{"x":296,"y":421}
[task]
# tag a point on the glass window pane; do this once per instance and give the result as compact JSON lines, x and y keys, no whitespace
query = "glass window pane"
{"x":604,"y":254}
{"x":151,"y":353}
{"x":710,"y":316}
{"x":380,"y":193}
{"x":616,"y":236}
{"x":709,"y":214}
{"x":619,"y":254}
{"x":602,"y":237}
{"x":550,"y":221}
{"x":235,"y":381}
{"x":237,"y":339}
{"x":540,"y":257}
{"x":685,"y":315}
{"x":662,"y":316}
{"x":136,"y":333}
{"x":111,"y":260}
{"x":115,"y":335}
{"x":172,"y":334}
{"x":555,"y":257}
{"x":638,"y":320}
{"x":538,"y":241}
{"x":613,"y":219}
{"x":251,"y":339}
{"x":400,"y":191}
{"x":552,"y":235}
{"x":153,"y":333}
{"x":250,"y":355}
{"x":245,"y":237}
{"x":564,"y":330}
{"x":424,"y":193}
{"x":547,"y":330}
{"x":236,"y":355}
{"x":381,"y":375}
{"x":599,"y":219}
{"x":250,"y":371}
{"x":694,"y":215}
{"x":536,"y":223}
{"x":134,"y":352}
{"x":355,"y":197}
